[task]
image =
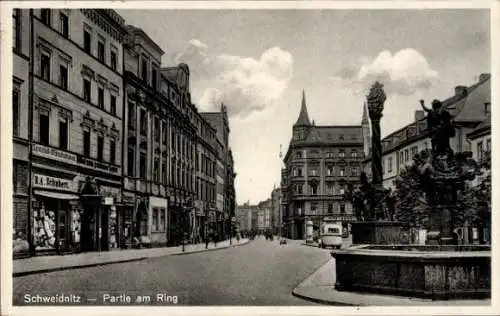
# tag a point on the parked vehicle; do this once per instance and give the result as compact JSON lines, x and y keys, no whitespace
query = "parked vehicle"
{"x":331,"y":235}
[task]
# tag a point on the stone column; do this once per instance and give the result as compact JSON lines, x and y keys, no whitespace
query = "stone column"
{"x":375,"y":100}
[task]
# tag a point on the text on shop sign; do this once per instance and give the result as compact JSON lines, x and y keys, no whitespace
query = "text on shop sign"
{"x":54,"y":154}
{"x":42,"y":181}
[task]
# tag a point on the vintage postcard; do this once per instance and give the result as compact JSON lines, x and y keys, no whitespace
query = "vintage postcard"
{"x":239,"y":157}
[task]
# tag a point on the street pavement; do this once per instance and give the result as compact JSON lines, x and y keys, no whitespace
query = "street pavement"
{"x":259,"y":273}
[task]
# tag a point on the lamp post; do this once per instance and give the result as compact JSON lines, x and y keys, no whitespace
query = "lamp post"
{"x":376,"y":99}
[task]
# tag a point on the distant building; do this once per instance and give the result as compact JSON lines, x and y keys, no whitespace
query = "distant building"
{"x":320,"y":163}
{"x":276,"y":218}
{"x":470,"y":107}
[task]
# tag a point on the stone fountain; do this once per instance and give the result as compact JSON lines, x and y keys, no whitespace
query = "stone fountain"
{"x":441,"y":269}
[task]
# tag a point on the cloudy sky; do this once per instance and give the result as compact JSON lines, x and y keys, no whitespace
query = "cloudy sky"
{"x":258,"y":62}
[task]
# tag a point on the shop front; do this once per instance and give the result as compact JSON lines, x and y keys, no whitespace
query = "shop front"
{"x":126,"y":220}
{"x":94,"y":218}
{"x":56,"y":214}
{"x":158,"y":223}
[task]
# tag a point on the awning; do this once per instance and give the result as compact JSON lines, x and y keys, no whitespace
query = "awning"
{"x":57,"y":195}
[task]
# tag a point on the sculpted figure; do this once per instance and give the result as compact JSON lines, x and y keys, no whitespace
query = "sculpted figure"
{"x":440,"y":125}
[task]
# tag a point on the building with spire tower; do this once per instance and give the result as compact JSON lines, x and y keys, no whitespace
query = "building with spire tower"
{"x":319,"y":164}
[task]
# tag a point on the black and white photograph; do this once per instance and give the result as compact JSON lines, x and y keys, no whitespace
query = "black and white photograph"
{"x":247,"y":154}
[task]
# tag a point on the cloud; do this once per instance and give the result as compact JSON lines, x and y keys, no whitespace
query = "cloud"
{"x":404,"y":73}
{"x":243,"y":84}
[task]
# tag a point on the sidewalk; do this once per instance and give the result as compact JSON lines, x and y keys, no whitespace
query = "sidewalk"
{"x":319,"y":287}
{"x":42,"y":264}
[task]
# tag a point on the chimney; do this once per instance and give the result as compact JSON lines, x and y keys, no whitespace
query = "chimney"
{"x":484,"y":77}
{"x":461,"y":91}
{"x":419,"y":114}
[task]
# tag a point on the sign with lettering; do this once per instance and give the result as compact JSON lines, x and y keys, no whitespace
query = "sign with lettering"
{"x":46,"y":182}
{"x":87,"y":162}
{"x":55,"y":154}
{"x":110,"y":192}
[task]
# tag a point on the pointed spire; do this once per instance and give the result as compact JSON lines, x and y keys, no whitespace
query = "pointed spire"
{"x":303,"y":116}
{"x":364,"y":120}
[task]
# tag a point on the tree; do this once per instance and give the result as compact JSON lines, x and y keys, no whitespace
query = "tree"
{"x":411,"y":205}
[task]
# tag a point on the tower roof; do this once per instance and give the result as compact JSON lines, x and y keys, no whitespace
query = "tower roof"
{"x":303,"y":119}
{"x":364,"y":120}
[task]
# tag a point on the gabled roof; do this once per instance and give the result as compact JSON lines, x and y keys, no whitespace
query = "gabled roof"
{"x":303,"y":119}
{"x":471,"y":108}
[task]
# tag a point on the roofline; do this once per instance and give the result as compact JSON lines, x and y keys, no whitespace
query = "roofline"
{"x":136,"y":29}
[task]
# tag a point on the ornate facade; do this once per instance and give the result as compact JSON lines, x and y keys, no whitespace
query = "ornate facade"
{"x":320,"y":163}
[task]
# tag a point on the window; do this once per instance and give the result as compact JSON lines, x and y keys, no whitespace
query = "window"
{"x":298,"y":155}
{"x":406,"y":155}
{"x":161,"y":220}
{"x":157,"y":129}
{"x":100,"y":98}
{"x":154,"y":226}
{"x":112,"y":104}
{"x":131,"y":162}
{"x":354,"y":171}
{"x":142,"y":165}
{"x":144,"y":70}
{"x":401,"y":160}
{"x":131,"y":116}
{"x":389,"y":163}
{"x":100,"y":148}
{"x":154,"y":76}
{"x":45,"y":67}
{"x":16,"y":29}
{"x":342,"y":208}
{"x":164,"y":172}
{"x":341,"y":153}
{"x":414,"y":151}
{"x":314,"y":189}
{"x":45,"y":16}
{"x":15,"y":112}
{"x":100,"y":51}
{"x":354,"y":153}
{"x":87,"y":39}
{"x":488,"y":145}
{"x":44,"y":128}
{"x":113,"y":60}
{"x":87,"y":94}
{"x":329,"y":171}
{"x":314,"y":172}
{"x":63,"y":77}
{"x":144,"y":123}
{"x":342,"y":172}
{"x":164,"y":131}
{"x":330,"y":208}
{"x":156,"y":170}
{"x":63,"y":24}
{"x":480,"y":151}
{"x":314,"y":207}
{"x":86,"y":143}
{"x":63,"y":133}
{"x":112,"y":151}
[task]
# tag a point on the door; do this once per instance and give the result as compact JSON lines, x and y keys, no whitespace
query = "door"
{"x":87,"y":237}
{"x":104,"y":229}
{"x":63,"y":229}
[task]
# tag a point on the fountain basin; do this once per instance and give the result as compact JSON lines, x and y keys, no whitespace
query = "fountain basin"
{"x":378,"y":232}
{"x":438,"y":272}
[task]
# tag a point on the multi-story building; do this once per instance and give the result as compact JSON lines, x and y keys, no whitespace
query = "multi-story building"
{"x":205,"y":167}
{"x":75,"y":128}
{"x":21,"y":100}
{"x":320,"y":163}
{"x":160,"y":121}
{"x":469,"y":106}
{"x":276,"y":217}
{"x":225,"y":193}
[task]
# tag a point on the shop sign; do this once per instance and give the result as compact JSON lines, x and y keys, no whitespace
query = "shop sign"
{"x":46,"y":182}
{"x":87,"y":162}
{"x":54,"y":154}
{"x":110,"y":191}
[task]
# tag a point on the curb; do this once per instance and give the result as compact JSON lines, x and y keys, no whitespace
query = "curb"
{"x":24,"y":273}
{"x":207,"y":250}
{"x":319,"y":300}
{"x":97,"y":264}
